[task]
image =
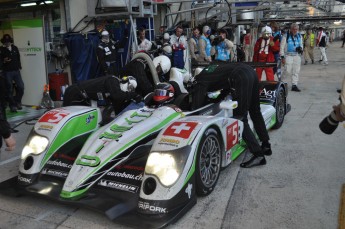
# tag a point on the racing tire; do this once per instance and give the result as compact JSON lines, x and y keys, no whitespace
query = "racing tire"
{"x":280,"y":108}
{"x":208,"y":162}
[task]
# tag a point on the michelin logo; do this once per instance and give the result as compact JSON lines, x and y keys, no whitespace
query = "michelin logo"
{"x":54,"y":173}
{"x":118,"y":185}
{"x":146,"y":206}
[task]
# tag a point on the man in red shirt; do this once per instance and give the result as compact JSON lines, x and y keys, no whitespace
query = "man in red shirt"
{"x":264,"y":52}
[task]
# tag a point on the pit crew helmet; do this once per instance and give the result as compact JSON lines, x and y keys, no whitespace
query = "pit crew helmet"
{"x":163,"y":93}
{"x":105,"y":36}
{"x":128,"y":83}
{"x":162,"y":64}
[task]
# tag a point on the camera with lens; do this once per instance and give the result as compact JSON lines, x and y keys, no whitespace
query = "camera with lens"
{"x":329,"y":124}
{"x":299,"y":50}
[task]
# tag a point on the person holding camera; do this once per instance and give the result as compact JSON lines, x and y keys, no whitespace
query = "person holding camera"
{"x":290,"y":54}
{"x":321,"y":42}
{"x":224,"y":47}
{"x":264,"y":50}
{"x":330,"y":123}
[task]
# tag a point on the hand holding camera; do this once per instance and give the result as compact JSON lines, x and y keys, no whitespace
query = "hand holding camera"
{"x":299,"y":50}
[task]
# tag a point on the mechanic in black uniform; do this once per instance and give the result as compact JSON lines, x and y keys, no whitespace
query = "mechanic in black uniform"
{"x":242,"y":82}
{"x":106,"y":53}
{"x":5,"y":130}
{"x":120,"y":91}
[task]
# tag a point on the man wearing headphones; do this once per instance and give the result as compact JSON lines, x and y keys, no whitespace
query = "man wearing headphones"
{"x":10,"y":59}
{"x":205,"y":45}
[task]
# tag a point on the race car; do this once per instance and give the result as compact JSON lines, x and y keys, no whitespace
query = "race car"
{"x":145,"y":167}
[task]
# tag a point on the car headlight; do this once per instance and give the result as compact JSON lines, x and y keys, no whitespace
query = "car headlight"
{"x":35,"y":145}
{"x":167,"y":166}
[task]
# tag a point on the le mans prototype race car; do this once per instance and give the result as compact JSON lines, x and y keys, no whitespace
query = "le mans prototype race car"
{"x":144,"y":168}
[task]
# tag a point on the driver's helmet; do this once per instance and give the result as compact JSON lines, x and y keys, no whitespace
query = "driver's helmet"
{"x":163,"y":93}
{"x":162,"y":64}
{"x":266,"y":31}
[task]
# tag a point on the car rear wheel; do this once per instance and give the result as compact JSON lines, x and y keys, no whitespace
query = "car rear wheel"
{"x":280,"y":108}
{"x":208,"y":162}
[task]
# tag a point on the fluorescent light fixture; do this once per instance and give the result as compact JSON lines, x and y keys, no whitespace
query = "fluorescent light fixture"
{"x":338,"y":22}
{"x":28,"y":4}
{"x":34,"y":3}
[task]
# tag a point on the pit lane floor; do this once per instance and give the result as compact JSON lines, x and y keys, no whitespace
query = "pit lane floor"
{"x":299,"y":187}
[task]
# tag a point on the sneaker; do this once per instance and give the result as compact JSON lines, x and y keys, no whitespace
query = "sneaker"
{"x":325,"y":63}
{"x":266,"y":148}
{"x":295,"y":88}
{"x":306,"y":62}
{"x":312,"y":61}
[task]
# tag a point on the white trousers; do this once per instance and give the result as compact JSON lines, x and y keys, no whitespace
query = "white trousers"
{"x":323,"y":54}
{"x":293,"y":67}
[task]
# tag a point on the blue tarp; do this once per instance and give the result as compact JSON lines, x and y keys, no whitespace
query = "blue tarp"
{"x":82,"y":51}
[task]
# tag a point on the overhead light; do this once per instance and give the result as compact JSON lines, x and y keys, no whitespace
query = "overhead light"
{"x":36,"y":3}
{"x":338,"y":22}
{"x":28,"y":4}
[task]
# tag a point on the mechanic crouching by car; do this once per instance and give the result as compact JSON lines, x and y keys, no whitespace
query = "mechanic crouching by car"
{"x":241,"y":82}
{"x":120,"y":92}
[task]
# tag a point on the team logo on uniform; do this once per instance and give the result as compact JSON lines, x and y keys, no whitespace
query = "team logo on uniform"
{"x":180,"y":129}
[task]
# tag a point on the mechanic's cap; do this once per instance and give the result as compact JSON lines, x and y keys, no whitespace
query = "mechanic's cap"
{"x":206,"y":30}
{"x":163,"y":93}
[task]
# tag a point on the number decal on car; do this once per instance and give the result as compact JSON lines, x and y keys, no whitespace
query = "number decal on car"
{"x":232,"y":135}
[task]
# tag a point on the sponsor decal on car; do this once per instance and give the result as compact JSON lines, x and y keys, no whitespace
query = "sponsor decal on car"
{"x":55,"y":173}
{"x":24,"y":179}
{"x":147,"y":207}
{"x":169,"y":141}
{"x":189,"y":190}
{"x":126,"y":175}
{"x":89,"y":118}
{"x":45,"y":127}
{"x":267,"y":94}
{"x":231,"y":135}
{"x":118,"y":185}
{"x":131,"y":167}
{"x":59,"y":164}
{"x":54,"y":116}
{"x":180,"y":129}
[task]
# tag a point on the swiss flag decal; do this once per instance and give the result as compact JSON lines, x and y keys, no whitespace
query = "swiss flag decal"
{"x":180,"y":129}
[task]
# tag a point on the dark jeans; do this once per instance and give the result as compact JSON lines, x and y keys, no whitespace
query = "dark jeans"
{"x":243,"y":83}
{"x":17,"y":78}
